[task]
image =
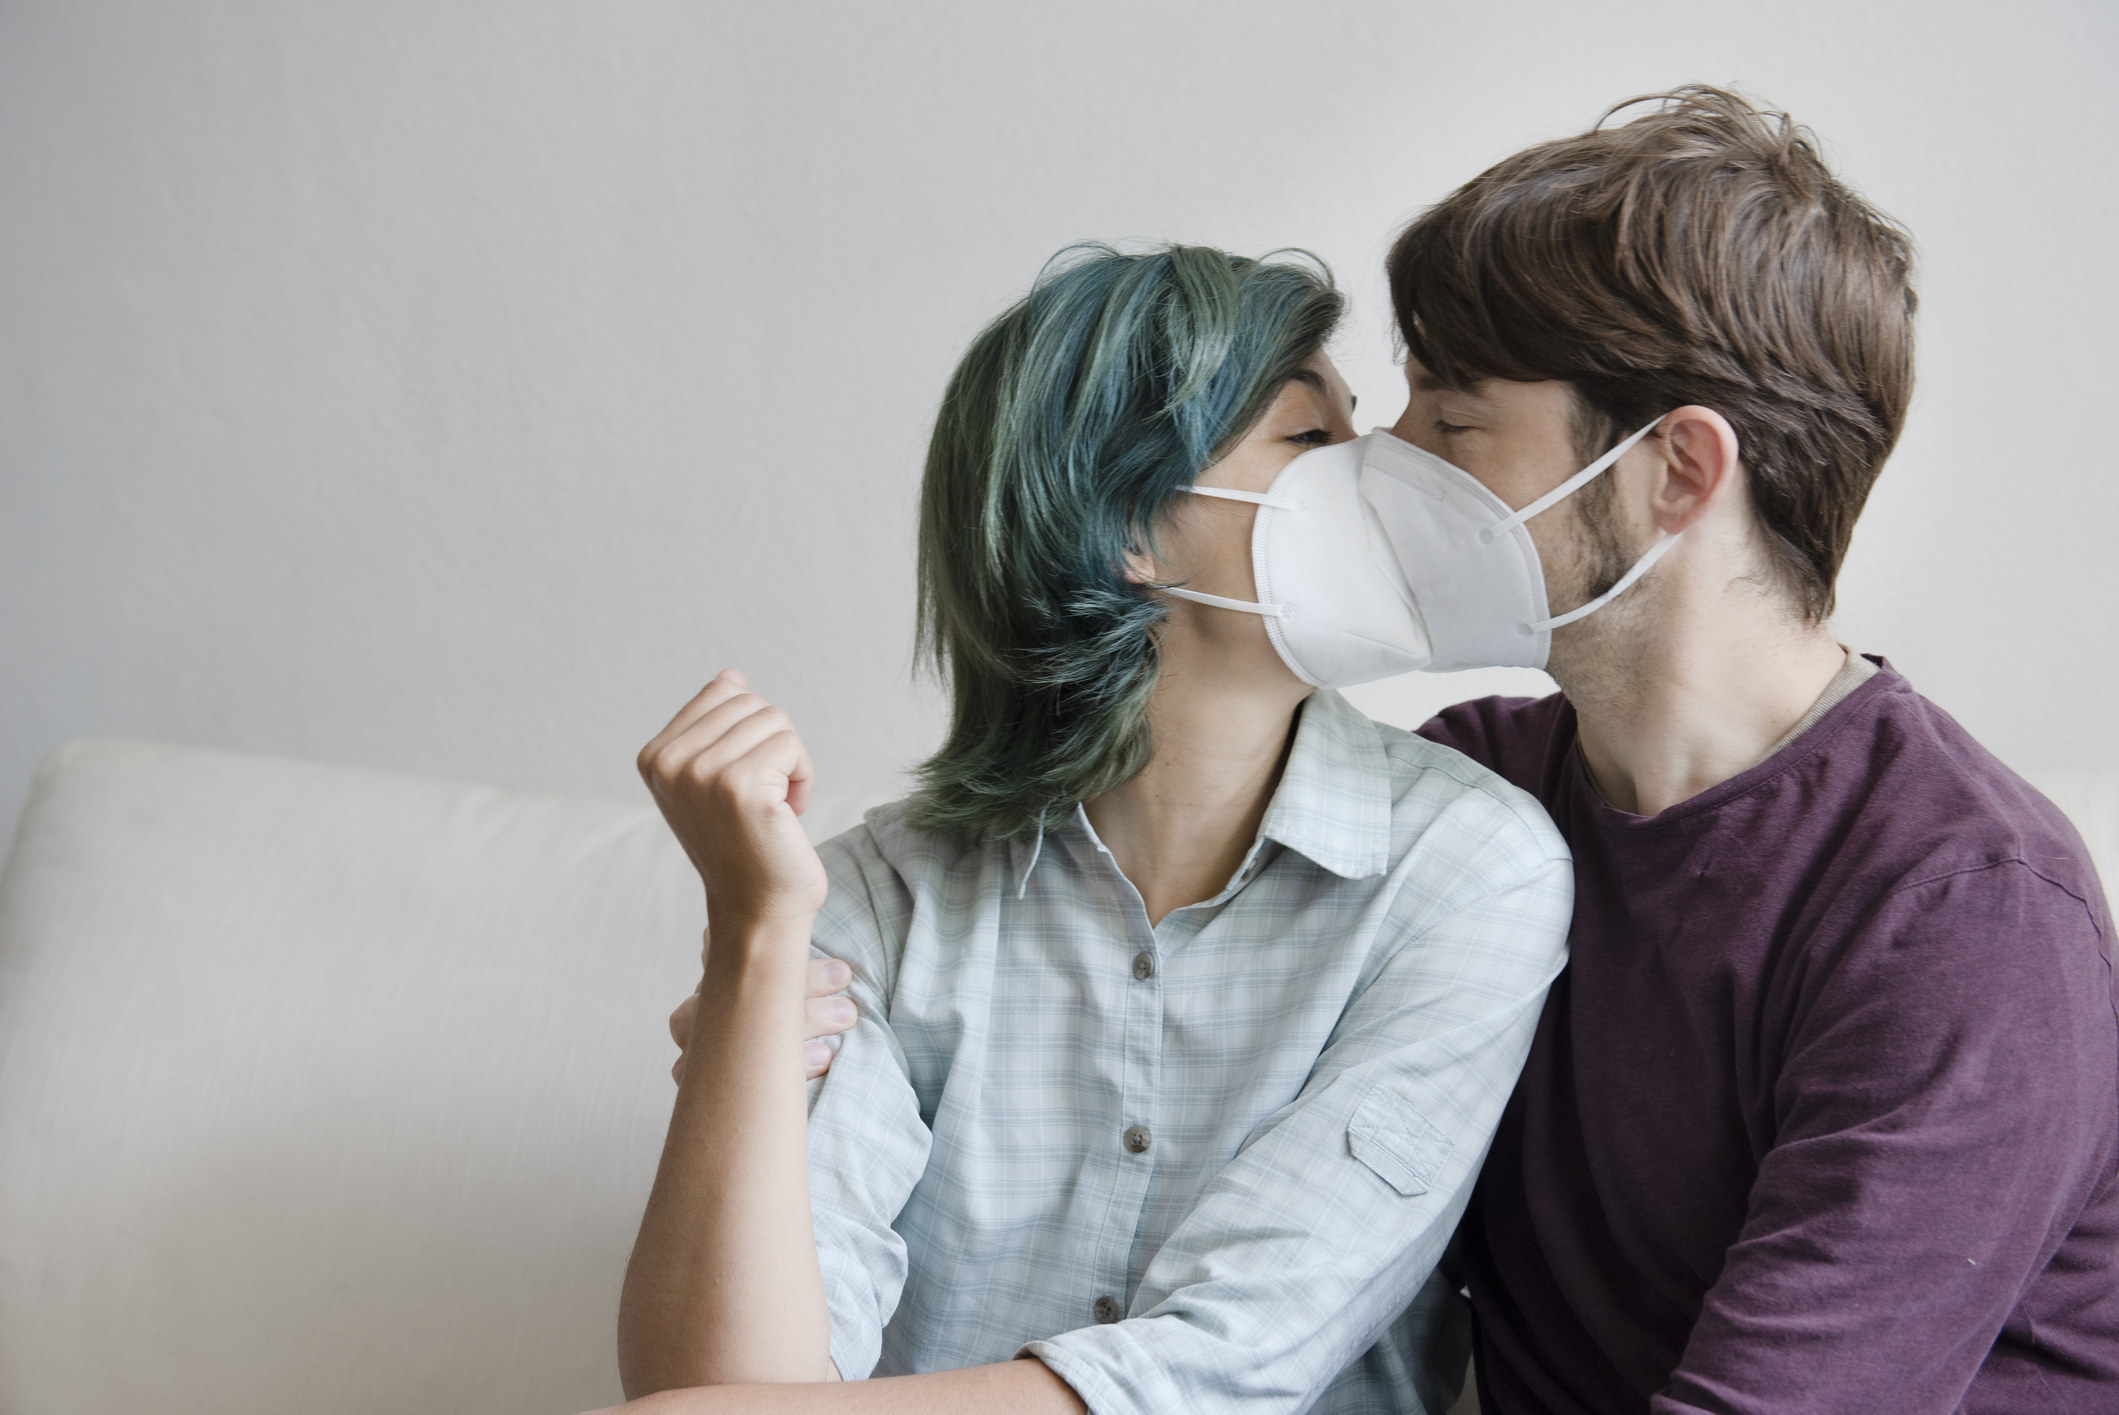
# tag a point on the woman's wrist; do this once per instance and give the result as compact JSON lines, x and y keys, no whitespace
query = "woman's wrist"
{"x":768,"y":949}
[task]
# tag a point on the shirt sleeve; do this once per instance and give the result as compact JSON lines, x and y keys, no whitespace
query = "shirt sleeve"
{"x":1317,"y":1235}
{"x":868,"y":1144}
{"x":1944,"y":1109}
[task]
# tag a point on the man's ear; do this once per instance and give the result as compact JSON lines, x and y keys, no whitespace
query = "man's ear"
{"x":1699,"y":466}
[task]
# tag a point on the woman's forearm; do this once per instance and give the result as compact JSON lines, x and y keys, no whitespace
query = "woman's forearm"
{"x":723,"y":1285}
{"x":1006,"y":1388}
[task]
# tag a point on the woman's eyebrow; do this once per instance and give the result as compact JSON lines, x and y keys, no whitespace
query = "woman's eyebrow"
{"x":1311,"y":379}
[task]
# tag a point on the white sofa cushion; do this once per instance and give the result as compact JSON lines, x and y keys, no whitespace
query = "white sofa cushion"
{"x":326,"y":1090}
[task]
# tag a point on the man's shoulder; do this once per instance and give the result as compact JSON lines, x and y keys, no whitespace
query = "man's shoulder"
{"x":1913,"y":777}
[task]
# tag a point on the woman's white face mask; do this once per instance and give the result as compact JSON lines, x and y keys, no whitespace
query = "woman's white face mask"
{"x":1375,"y":557}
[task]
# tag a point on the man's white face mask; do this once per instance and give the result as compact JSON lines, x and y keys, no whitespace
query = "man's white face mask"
{"x":1375,"y":557}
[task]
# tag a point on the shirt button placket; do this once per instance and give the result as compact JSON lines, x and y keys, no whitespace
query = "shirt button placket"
{"x":1136,"y":1137}
{"x":1143,"y":1075}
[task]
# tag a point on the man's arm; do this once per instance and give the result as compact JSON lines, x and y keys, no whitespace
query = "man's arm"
{"x":1945,"y":1108}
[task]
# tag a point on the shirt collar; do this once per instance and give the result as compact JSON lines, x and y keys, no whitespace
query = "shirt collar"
{"x":1333,"y":804}
{"x":1022,"y":856}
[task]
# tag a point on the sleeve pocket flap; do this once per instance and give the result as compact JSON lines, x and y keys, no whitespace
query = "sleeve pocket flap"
{"x":1397,"y":1142}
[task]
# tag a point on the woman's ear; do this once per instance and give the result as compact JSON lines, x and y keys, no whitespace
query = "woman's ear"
{"x":1699,"y":466}
{"x":1141,"y":568}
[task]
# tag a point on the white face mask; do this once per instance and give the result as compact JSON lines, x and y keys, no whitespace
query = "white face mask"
{"x":1375,"y":557}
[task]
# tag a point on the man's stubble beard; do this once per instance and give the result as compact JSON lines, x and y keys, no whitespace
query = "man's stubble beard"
{"x":1588,"y":657}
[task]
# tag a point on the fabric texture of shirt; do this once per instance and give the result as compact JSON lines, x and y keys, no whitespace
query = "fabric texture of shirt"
{"x":1823,"y":1114}
{"x":1201,"y":1165}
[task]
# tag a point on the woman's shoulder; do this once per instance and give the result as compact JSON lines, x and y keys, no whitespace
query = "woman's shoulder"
{"x":887,"y":874}
{"x":1436,"y":789}
{"x":884,"y":837}
{"x":1469,"y":855}
{"x":887,"y":862}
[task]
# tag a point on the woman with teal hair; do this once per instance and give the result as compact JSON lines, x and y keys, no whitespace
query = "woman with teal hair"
{"x":1189,"y":997}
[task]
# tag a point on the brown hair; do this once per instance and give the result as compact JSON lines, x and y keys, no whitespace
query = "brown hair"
{"x":1702,"y":253}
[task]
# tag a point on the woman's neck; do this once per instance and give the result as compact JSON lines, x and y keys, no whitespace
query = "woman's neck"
{"x":1180,"y":829}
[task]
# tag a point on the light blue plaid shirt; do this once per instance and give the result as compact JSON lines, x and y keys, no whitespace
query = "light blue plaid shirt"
{"x":1199,"y":1166}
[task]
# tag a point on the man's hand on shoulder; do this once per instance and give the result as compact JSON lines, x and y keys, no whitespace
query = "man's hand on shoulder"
{"x":825,"y":1014}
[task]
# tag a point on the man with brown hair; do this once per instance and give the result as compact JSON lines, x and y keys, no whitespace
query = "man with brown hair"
{"x":1824,"y":1114}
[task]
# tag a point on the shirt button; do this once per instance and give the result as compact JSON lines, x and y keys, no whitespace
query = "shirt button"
{"x":1143,"y":966}
{"x":1137,"y":1139}
{"x":1107,"y":1310}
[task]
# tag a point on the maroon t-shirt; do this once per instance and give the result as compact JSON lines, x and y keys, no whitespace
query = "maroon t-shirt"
{"x":1824,"y":1113}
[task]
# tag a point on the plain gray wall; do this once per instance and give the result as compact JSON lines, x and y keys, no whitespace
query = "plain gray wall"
{"x":453,"y":387}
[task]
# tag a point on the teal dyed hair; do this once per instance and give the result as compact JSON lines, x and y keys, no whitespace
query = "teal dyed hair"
{"x":1069,"y":427}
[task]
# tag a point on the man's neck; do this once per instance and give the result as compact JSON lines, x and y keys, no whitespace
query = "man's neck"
{"x":1180,"y":829}
{"x":1671,"y":702}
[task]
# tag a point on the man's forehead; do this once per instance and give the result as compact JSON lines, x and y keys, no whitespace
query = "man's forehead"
{"x":1426,"y":382}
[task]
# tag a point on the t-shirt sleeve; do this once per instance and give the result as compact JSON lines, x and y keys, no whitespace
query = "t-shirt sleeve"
{"x":1462,"y":728}
{"x":868,"y":1144}
{"x":1944,"y":1108}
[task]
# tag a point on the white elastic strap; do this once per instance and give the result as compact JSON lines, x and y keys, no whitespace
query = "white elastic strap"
{"x":1275,"y":611}
{"x":1256,"y":498}
{"x":1565,"y":489}
{"x":1664,"y":540}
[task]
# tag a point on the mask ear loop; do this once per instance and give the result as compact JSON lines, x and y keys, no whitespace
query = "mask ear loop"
{"x":1565,"y":489}
{"x":1255,"y":498}
{"x":1245,"y":606}
{"x":1663,"y":541}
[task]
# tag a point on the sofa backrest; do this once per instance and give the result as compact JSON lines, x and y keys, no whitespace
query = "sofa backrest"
{"x":326,"y":1090}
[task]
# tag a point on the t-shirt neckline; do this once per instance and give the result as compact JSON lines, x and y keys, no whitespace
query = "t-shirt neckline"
{"x":1785,"y":758}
